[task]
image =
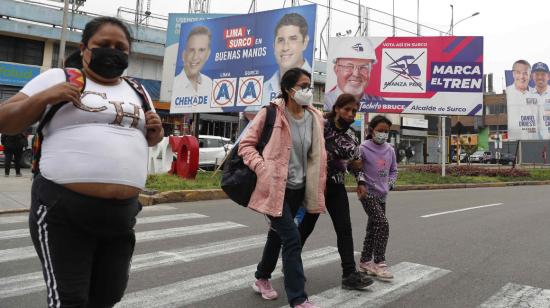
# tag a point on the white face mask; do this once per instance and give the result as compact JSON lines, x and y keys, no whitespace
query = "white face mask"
{"x":303,"y":97}
{"x":379,"y":137}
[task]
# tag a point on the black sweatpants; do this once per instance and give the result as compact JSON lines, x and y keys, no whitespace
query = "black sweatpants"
{"x":337,"y":203}
{"x":85,"y":244}
{"x":15,"y":156}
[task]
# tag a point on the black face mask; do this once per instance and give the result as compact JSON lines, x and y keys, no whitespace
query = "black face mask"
{"x":343,"y":123}
{"x":108,"y":62}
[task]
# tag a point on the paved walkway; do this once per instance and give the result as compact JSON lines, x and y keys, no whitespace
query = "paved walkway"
{"x":15,"y":192}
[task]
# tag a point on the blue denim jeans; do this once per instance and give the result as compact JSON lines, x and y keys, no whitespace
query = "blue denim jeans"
{"x":284,"y":231}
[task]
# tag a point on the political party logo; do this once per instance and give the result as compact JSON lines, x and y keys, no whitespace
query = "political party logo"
{"x":223,"y":92}
{"x":404,"y":70}
{"x":250,"y":91}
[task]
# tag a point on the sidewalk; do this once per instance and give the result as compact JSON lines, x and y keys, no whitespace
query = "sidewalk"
{"x":15,"y":193}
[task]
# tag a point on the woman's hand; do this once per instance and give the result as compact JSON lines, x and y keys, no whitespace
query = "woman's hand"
{"x":153,"y":124}
{"x":62,"y":92}
{"x":362,"y":191}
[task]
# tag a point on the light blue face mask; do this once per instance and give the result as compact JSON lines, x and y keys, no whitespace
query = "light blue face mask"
{"x":379,"y":137}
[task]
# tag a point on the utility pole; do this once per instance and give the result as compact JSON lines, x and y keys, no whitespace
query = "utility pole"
{"x":63,"y":40}
{"x":418,"y":17}
{"x":452,"y":19}
{"x":393,"y":17}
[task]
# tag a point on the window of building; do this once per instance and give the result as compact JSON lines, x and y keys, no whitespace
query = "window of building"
{"x":7,"y":92}
{"x":496,"y":109}
{"x":20,"y":50}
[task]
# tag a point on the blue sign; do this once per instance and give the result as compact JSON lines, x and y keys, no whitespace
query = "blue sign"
{"x":176,"y":19}
{"x":17,"y":74}
{"x":234,"y":63}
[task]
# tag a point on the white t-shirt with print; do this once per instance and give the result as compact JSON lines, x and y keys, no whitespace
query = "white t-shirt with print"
{"x":101,"y":140}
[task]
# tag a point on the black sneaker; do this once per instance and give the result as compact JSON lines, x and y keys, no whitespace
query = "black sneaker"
{"x":356,"y":281}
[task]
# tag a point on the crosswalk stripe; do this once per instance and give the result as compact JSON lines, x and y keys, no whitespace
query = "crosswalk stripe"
{"x":33,"y":282}
{"x":28,"y":251}
{"x":13,"y":219}
{"x":19,"y":253}
{"x":157,"y":208}
{"x":20,"y":233}
{"x":186,"y":292}
{"x":408,"y":277}
{"x":24,"y":218}
{"x":166,"y":218}
{"x":516,"y":295}
{"x":185,"y":231}
{"x":15,"y":233}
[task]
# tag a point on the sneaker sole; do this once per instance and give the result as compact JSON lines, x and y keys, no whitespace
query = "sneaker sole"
{"x":257,"y":290}
{"x":367,"y":271}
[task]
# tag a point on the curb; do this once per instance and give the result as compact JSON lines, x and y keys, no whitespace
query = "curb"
{"x":218,"y":194}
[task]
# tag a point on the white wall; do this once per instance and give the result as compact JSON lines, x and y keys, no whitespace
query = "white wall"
{"x":144,"y":67}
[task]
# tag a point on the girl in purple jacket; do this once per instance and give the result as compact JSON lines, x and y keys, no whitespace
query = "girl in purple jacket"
{"x":379,"y":176}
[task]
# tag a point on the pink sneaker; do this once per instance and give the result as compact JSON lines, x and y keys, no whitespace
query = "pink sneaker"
{"x":263,"y":287}
{"x":306,"y":304}
{"x":379,"y":270}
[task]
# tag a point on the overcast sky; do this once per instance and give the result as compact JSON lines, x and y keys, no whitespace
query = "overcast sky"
{"x":512,"y":29}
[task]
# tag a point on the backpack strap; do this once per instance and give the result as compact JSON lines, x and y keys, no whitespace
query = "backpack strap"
{"x":146,"y":102}
{"x":76,"y":78}
{"x":268,"y":127}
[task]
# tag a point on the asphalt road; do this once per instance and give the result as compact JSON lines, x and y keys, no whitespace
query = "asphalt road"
{"x":496,"y":253}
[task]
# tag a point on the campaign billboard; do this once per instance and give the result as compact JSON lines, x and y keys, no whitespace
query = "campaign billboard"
{"x":424,"y":75}
{"x":172,"y":44}
{"x":234,"y":63}
{"x":528,"y":101}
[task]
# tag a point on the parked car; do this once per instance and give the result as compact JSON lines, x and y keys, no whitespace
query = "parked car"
{"x":212,"y":150}
{"x":506,"y":159}
{"x":481,"y":157}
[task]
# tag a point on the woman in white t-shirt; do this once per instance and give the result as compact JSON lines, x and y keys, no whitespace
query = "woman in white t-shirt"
{"x":93,"y":165}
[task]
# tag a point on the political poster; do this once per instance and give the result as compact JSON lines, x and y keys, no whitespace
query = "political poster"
{"x":172,"y":45}
{"x":234,"y":63}
{"x":528,"y":101}
{"x":424,"y":75}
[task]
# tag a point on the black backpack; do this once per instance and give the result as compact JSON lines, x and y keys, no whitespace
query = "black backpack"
{"x":238,"y":181}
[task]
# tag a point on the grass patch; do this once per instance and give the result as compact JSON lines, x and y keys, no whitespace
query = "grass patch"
{"x":209,"y":180}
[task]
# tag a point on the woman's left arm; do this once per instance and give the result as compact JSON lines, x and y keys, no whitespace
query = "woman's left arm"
{"x":153,"y":125}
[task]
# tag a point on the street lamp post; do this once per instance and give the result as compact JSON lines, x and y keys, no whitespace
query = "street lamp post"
{"x":453,"y":24}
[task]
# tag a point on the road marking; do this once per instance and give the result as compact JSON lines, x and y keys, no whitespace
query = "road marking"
{"x":28,"y":251}
{"x":166,"y":218}
{"x":33,"y":282}
{"x":515,"y":295}
{"x":17,"y":254}
{"x":461,"y":210}
{"x":408,"y":277}
{"x":20,"y":233}
{"x":188,"y":254}
{"x":185,"y":231}
{"x":16,"y":233}
{"x":186,"y":292}
{"x":13,"y":219}
{"x":157,"y":208}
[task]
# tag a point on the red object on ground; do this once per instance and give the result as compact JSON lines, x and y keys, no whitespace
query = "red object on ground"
{"x":186,"y":164}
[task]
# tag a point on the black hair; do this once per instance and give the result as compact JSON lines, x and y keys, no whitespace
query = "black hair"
{"x":199,"y":30}
{"x":342,"y":100}
{"x":375,"y":121}
{"x":289,"y":80}
{"x":524,"y":62}
{"x":293,"y":19}
{"x":75,"y":59}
